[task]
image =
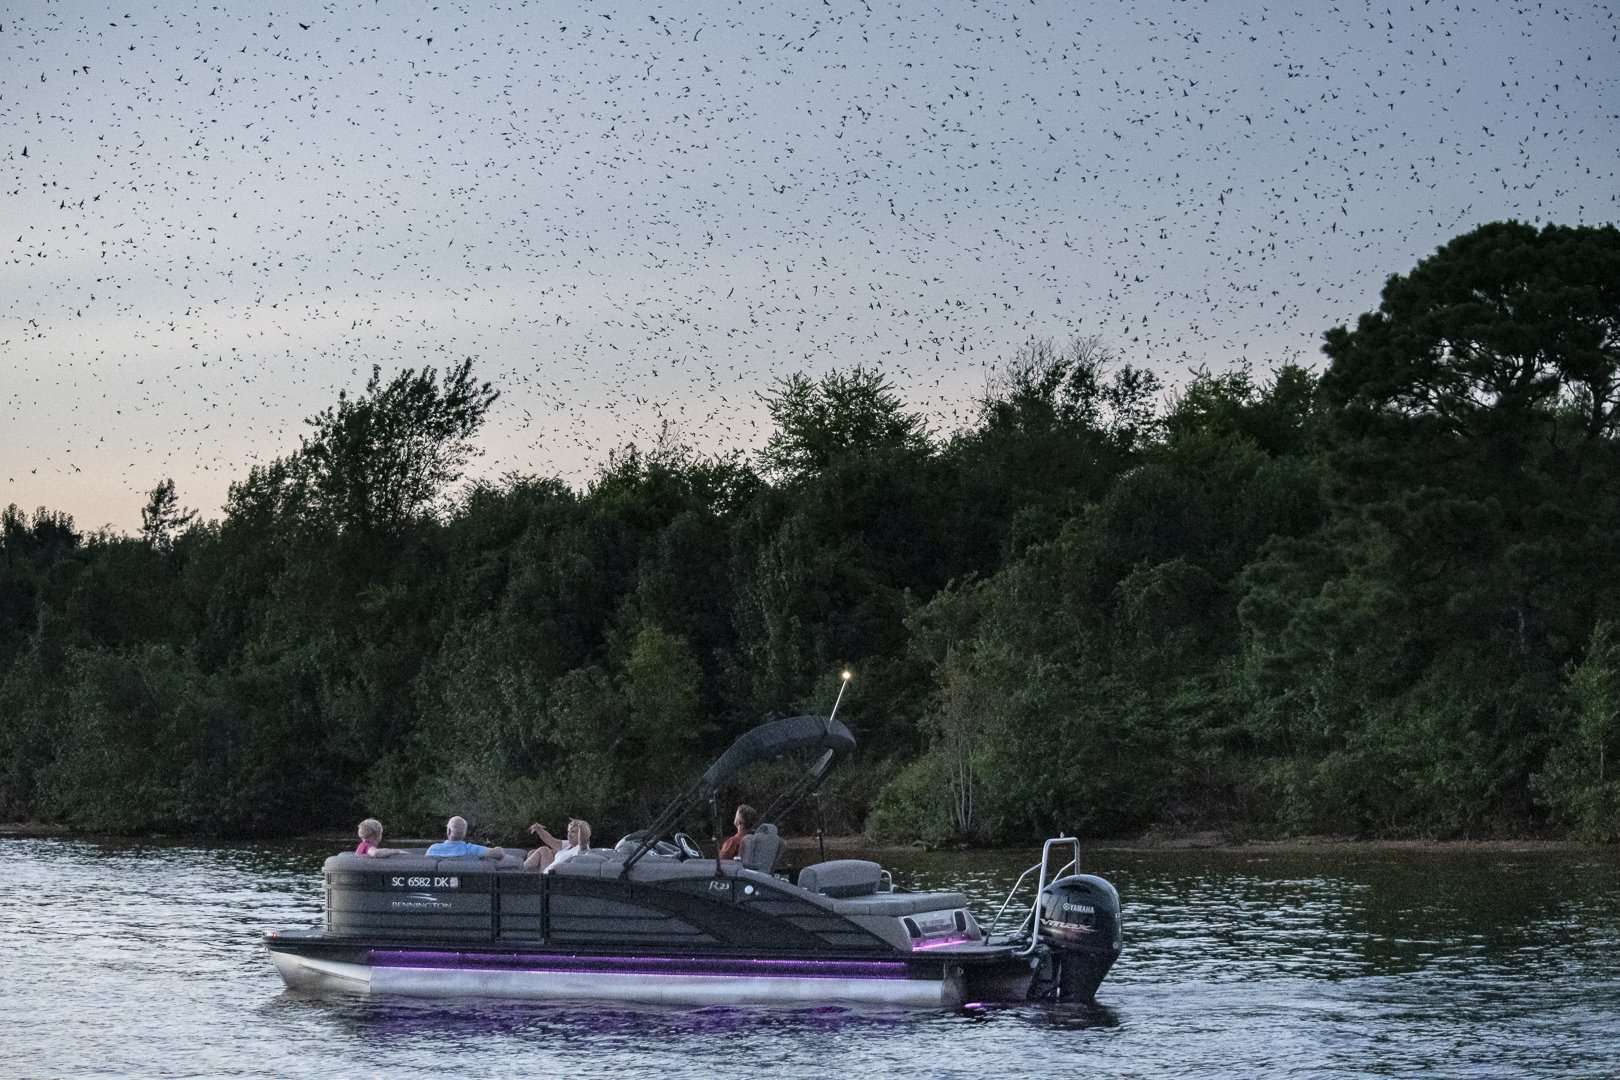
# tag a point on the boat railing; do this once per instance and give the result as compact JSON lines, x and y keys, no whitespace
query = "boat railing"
{"x":1073,"y":844}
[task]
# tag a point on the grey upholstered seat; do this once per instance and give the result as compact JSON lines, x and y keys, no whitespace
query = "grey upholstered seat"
{"x":842,"y":877}
{"x":597,"y":862}
{"x":414,"y":862}
{"x":762,"y":849}
{"x":899,"y":903}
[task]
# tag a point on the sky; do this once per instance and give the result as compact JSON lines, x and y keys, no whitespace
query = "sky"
{"x":637,"y":217}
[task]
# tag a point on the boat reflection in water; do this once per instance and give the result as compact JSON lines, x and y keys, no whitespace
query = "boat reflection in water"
{"x":653,"y":921}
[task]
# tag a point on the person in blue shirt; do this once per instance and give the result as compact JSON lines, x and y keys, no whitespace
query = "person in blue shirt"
{"x":455,"y":844}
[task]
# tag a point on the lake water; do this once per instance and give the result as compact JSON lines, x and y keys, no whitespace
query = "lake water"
{"x":125,"y":960}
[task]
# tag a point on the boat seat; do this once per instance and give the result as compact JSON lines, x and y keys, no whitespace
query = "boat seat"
{"x":762,"y":849}
{"x":842,"y":877}
{"x":597,"y":862}
{"x":898,"y":903}
{"x":680,"y":869}
{"x":414,"y":862}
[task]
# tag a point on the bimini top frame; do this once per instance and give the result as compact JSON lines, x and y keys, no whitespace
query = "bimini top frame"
{"x":767,"y":742}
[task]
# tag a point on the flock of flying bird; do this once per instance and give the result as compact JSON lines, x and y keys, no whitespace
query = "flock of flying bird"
{"x":637,"y":217}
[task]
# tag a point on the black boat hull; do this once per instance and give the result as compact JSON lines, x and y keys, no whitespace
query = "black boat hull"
{"x":316,"y":962}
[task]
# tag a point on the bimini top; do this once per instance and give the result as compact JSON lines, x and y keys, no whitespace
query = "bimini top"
{"x":772,"y":740}
{"x":766,"y":742}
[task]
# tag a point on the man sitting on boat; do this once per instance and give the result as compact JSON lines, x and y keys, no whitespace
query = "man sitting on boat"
{"x":552,"y":851}
{"x":455,"y":845}
{"x":745,"y":821}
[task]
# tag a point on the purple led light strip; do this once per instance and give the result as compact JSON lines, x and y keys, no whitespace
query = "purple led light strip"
{"x":639,"y":965}
{"x":940,"y":943}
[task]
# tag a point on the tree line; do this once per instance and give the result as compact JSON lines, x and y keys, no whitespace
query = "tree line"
{"x":1380,"y":600}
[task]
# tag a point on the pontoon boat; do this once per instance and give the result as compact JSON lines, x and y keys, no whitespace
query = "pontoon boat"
{"x":654,"y":920}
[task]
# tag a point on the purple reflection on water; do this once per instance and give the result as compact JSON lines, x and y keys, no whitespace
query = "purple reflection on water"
{"x":639,"y":965}
{"x":466,"y":1022}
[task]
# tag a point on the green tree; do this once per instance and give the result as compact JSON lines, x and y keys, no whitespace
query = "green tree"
{"x":1504,"y":332}
{"x":844,"y":412}
{"x":375,"y":462}
{"x":162,"y":517}
{"x":1055,"y":427}
{"x":661,"y":721}
{"x":1280,"y":418}
{"x":35,"y":553}
{"x":1078,"y":387}
{"x":1413,"y":645}
{"x":1580,"y":780}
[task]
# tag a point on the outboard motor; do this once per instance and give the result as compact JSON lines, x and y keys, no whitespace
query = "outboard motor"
{"x":1078,"y":920}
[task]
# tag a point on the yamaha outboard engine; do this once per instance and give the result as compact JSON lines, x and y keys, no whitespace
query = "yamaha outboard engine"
{"x":1078,"y":921}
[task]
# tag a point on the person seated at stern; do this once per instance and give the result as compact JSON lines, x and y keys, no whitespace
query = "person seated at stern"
{"x":552,"y":851}
{"x":455,"y":846}
{"x":370,"y":832}
{"x":745,"y":820}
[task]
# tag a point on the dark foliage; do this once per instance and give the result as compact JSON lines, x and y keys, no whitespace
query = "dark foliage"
{"x":1381,"y":601}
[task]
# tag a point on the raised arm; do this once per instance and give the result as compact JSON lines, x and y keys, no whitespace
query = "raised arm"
{"x":545,"y":836}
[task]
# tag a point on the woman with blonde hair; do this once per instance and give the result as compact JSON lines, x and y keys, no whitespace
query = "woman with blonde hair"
{"x":552,"y":851}
{"x":370,"y":832}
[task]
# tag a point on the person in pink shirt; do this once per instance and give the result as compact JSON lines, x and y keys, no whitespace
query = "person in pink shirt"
{"x":745,"y":820}
{"x":370,"y":836}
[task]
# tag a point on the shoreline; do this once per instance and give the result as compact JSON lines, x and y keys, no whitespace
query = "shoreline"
{"x":854,"y":846}
{"x":1220,"y":844}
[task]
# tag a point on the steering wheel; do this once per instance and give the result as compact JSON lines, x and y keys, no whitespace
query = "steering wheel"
{"x":688,"y":846}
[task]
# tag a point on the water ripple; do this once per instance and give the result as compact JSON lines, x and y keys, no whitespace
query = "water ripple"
{"x":147,"y":960}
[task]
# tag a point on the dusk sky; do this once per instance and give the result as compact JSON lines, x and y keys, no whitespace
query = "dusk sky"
{"x":216,"y":217}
